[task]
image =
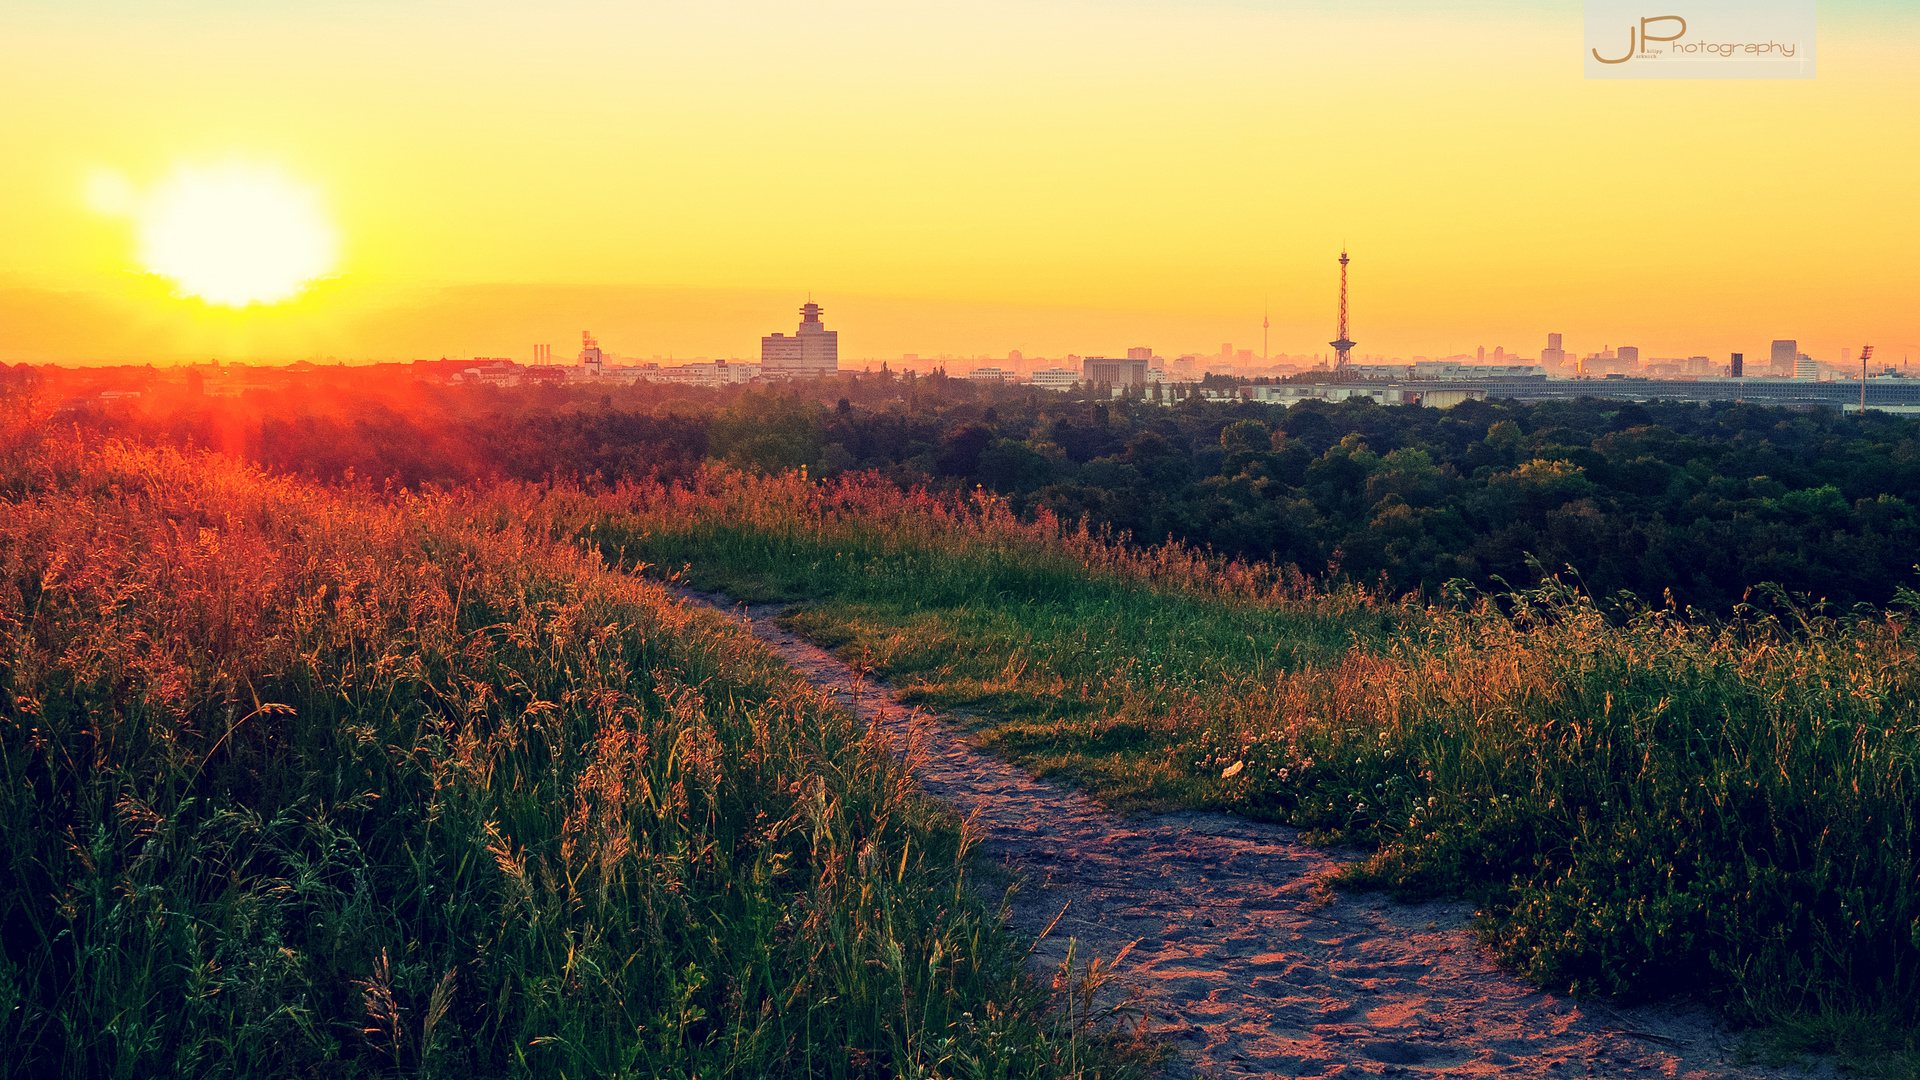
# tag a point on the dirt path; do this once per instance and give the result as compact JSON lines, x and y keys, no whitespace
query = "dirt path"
{"x":1243,"y":963}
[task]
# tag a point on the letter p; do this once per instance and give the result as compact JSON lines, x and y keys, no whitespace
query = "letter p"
{"x":1646,"y":35}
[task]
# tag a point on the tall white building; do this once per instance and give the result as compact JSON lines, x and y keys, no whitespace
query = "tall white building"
{"x":812,"y":352}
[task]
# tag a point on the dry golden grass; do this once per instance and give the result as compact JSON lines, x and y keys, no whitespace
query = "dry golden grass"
{"x":300,"y":781}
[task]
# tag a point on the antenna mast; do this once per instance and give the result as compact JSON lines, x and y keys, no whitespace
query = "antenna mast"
{"x":1342,"y":349}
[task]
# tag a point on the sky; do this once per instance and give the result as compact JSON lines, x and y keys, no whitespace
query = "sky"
{"x":1050,"y":176}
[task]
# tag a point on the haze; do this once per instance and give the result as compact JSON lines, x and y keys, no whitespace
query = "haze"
{"x":970,"y":178}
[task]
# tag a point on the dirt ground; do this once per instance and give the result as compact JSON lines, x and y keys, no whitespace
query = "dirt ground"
{"x":1237,"y":954}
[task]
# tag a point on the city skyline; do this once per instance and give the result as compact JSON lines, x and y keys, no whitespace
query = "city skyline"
{"x":466,"y":198}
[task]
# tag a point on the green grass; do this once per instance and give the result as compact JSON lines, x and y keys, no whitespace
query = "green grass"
{"x":296,"y":782}
{"x":1643,"y":803}
{"x":1083,"y":676}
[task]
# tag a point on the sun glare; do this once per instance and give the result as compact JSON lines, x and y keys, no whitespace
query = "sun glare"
{"x":232,"y":234}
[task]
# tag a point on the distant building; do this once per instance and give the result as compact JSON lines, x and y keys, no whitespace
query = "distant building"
{"x":1553,"y":355}
{"x":704,"y":373}
{"x":1381,"y":371}
{"x":1101,"y":369}
{"x":1140,"y":352}
{"x":1806,"y":367}
{"x":1445,"y":369}
{"x":590,"y":356}
{"x":1784,"y":355}
{"x":812,"y":352}
{"x":1056,"y":378}
{"x":988,"y":375}
{"x":1628,"y":355}
{"x":1737,"y":369}
{"x":1290,"y":393}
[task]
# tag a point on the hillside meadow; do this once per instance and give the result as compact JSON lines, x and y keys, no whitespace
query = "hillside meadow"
{"x":346,"y":776}
{"x":349,"y":782}
{"x":1645,"y":802}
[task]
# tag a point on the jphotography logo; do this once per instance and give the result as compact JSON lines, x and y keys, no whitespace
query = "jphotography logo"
{"x":1699,"y":39}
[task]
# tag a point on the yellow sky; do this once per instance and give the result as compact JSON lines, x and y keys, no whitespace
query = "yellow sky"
{"x":961,"y":178}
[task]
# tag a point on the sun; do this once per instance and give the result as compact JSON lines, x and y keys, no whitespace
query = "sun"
{"x":235,"y":234}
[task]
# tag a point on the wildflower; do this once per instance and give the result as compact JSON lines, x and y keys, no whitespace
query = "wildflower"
{"x":1283,"y":774}
{"x":1232,"y":770}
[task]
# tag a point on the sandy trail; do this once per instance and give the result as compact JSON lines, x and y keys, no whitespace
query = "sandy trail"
{"x":1248,"y":967}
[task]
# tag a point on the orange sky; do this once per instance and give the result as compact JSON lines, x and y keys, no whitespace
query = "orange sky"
{"x":956,"y":178}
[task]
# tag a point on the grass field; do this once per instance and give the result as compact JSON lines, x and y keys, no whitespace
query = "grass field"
{"x":1643,"y":803}
{"x":310,"y":782}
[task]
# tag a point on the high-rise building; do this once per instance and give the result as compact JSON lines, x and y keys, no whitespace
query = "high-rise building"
{"x":1737,"y":369}
{"x":1140,"y":352}
{"x":1628,"y":355}
{"x":1785,"y":353}
{"x":1553,"y":355}
{"x":1806,"y":367}
{"x":812,"y":352}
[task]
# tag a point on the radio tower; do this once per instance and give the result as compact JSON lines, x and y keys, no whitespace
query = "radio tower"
{"x":1342,"y":348}
{"x":1866,"y":354}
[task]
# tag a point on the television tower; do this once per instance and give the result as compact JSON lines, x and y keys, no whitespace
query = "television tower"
{"x":1342,"y":348}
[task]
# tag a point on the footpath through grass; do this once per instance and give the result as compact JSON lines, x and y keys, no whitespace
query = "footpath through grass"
{"x":300,"y":782}
{"x":1644,"y":804}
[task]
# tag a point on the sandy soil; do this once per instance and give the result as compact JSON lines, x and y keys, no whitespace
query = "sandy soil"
{"x":1239,"y":956}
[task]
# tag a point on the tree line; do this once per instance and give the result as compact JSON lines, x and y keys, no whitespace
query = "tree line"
{"x":1701,"y":502}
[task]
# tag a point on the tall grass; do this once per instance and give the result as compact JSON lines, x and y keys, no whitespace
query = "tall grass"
{"x":1086,"y":647}
{"x":1644,"y":802}
{"x":349,"y":783}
